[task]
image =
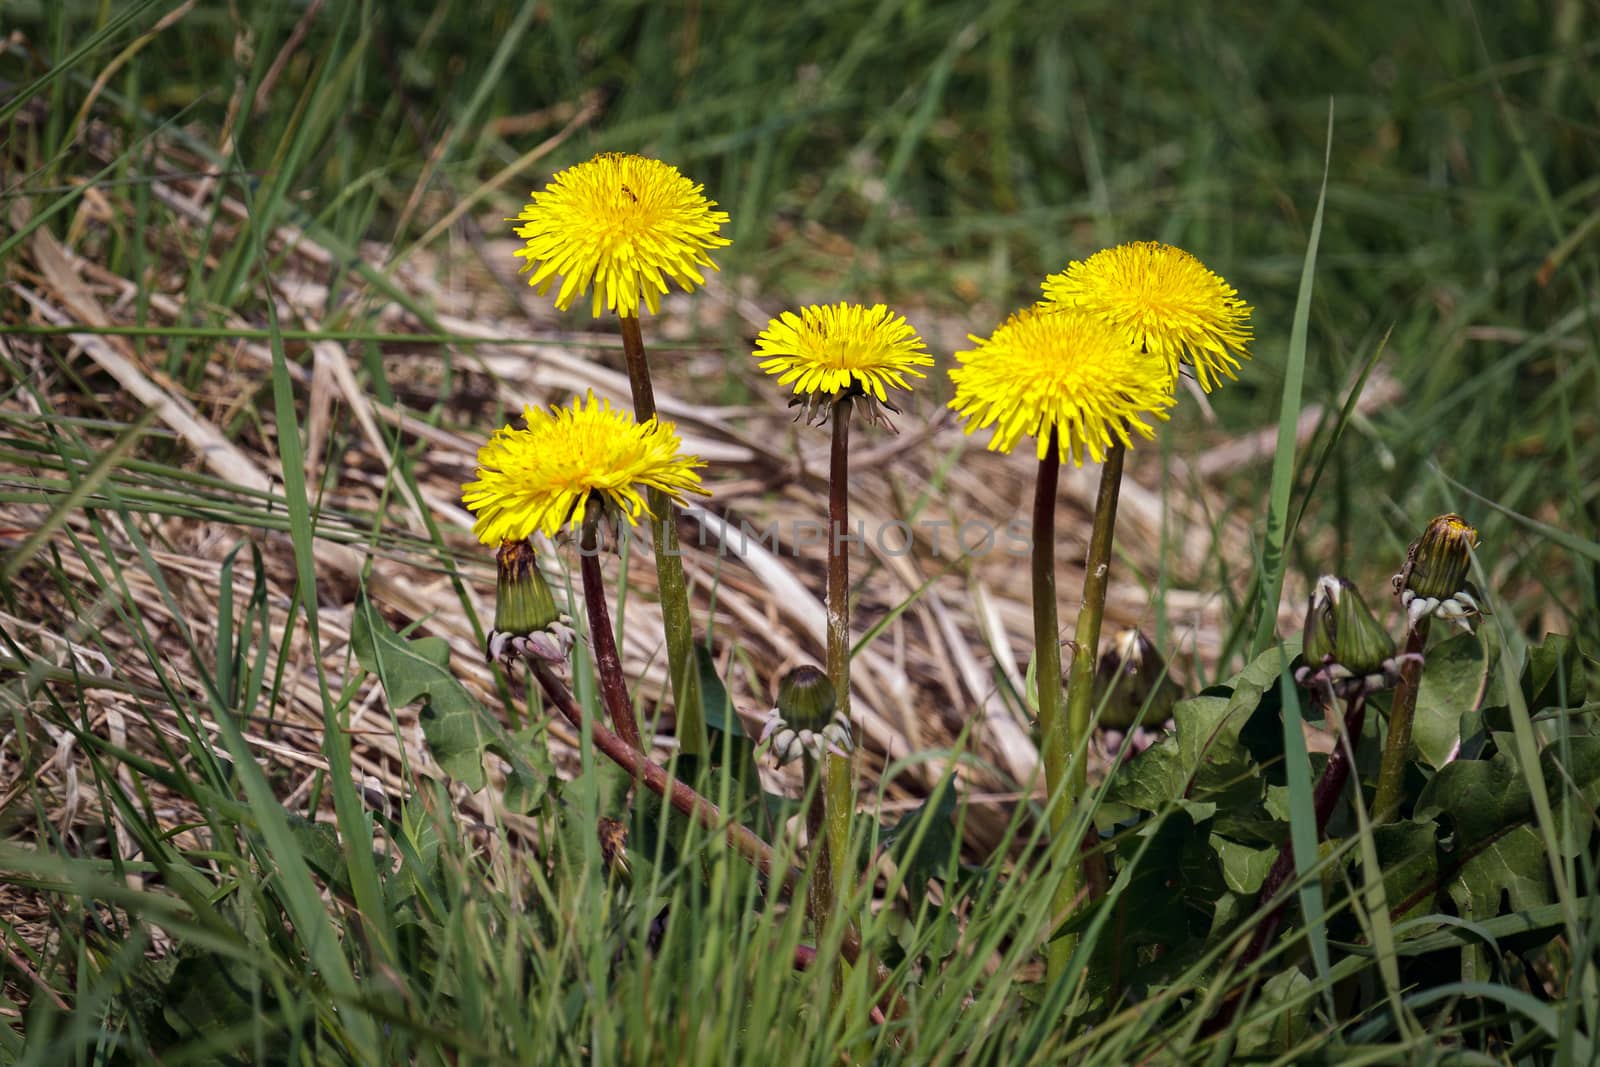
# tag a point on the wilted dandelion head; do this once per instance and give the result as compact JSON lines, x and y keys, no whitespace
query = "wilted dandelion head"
{"x":1061,"y":370}
{"x":624,"y":224}
{"x":545,"y":475}
{"x":1165,"y":301}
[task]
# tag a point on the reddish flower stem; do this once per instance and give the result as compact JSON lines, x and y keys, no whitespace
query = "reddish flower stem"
{"x":613,"y":688}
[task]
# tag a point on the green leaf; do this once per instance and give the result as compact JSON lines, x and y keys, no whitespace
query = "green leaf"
{"x":1447,"y":931}
{"x":1409,"y":859}
{"x":1280,"y":1018}
{"x":1556,"y":676}
{"x":1205,"y":759}
{"x":1510,"y":873}
{"x":729,"y":746}
{"x":1243,"y":868}
{"x":714,"y":699}
{"x":1482,"y":797}
{"x":1452,"y":683}
{"x":1273,"y":559}
{"x":319,"y":843}
{"x":528,"y":781}
{"x":457,"y":728}
{"x":209,"y":994}
{"x":452,"y":720}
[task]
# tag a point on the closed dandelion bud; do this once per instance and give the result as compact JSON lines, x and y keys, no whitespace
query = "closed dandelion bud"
{"x":523,"y":603}
{"x":806,"y":697}
{"x":526,"y":619}
{"x":806,"y":720}
{"x":1130,"y":674}
{"x":1438,"y":561}
{"x":1340,"y":629}
{"x":1343,"y":642}
{"x":1434,"y":578}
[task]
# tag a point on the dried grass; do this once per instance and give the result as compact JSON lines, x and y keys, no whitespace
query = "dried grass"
{"x":935,"y":670}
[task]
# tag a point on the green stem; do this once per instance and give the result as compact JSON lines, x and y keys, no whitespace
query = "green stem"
{"x":838,"y":784}
{"x":1086,"y":635}
{"x":1086,"y":647}
{"x":1392,"y":768}
{"x":674,"y":590}
{"x":1047,"y":671}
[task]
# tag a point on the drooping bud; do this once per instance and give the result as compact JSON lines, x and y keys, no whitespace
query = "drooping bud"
{"x":523,"y":603}
{"x":1131,"y":673}
{"x":1433,"y":580}
{"x":526,"y":619}
{"x":806,"y":720}
{"x":1340,"y":629}
{"x":1342,"y":640}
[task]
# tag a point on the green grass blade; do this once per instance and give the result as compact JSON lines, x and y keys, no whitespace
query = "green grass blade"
{"x":1273,"y":561}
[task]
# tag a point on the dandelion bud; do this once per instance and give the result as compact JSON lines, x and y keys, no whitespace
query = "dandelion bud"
{"x":526,"y":620}
{"x":806,"y":697}
{"x":1340,"y":629}
{"x":1438,"y":561}
{"x":806,"y":721}
{"x":1131,"y":673}
{"x":523,"y":602}
{"x":1343,"y":643}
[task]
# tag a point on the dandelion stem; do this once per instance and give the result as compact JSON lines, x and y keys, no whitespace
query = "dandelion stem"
{"x":1047,"y":671}
{"x":838,"y":785}
{"x":820,"y":900}
{"x":1086,"y":647}
{"x":613,"y":687}
{"x":674,"y":590}
{"x":1086,"y":635}
{"x":1397,"y":746}
{"x":644,"y":393}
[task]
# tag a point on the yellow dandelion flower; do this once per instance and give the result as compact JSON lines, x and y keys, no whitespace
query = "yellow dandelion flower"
{"x":828,"y":348}
{"x":1064,"y":370}
{"x":544,"y":476}
{"x":624,"y":224}
{"x":1166,"y":300}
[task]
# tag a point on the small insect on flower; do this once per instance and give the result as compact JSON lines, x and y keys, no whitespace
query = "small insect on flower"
{"x":842,"y":350}
{"x":1165,"y":301}
{"x":624,"y":224}
{"x":1063,"y":370}
{"x":545,"y":476}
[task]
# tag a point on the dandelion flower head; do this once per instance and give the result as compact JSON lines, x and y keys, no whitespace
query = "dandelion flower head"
{"x":545,"y":475}
{"x":825,"y":349}
{"x":1166,"y":301}
{"x":1060,"y":370}
{"x":625,"y":225}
